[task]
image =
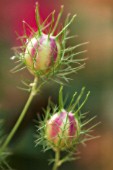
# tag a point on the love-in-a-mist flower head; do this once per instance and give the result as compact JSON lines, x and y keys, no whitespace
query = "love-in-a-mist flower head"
{"x":45,"y":53}
{"x":63,"y":127}
{"x":42,"y":52}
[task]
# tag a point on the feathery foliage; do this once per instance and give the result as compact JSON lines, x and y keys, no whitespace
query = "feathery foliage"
{"x":3,"y":154}
{"x":68,"y":62}
{"x":75,"y":106}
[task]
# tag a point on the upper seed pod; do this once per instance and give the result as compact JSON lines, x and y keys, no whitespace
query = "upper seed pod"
{"x":46,"y":54}
{"x":41,"y":53}
{"x":62,"y":130}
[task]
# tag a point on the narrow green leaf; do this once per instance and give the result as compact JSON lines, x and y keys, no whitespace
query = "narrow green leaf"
{"x":83,"y":102}
{"x":65,"y":27}
{"x":38,"y":18}
{"x":58,"y":19}
{"x":61,"y":105}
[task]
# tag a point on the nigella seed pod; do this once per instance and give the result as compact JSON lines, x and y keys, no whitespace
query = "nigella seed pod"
{"x":62,"y":130}
{"x":42,"y":52}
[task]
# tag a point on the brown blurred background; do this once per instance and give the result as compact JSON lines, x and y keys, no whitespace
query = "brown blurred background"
{"x":94,"y":23}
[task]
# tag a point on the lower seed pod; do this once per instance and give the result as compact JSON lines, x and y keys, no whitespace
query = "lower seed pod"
{"x":41,"y":53}
{"x":62,"y":130}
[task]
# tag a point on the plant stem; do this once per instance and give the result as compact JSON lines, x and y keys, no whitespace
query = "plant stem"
{"x":57,"y":159}
{"x":22,"y":115}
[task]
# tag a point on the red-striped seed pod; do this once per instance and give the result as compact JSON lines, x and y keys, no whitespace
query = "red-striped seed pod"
{"x":62,"y":130}
{"x":42,"y":52}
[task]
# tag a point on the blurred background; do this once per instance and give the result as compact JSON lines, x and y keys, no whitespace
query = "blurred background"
{"x":94,"y":23}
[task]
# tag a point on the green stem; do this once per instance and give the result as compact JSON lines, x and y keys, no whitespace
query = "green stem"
{"x":57,"y":159}
{"x":22,"y":115}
